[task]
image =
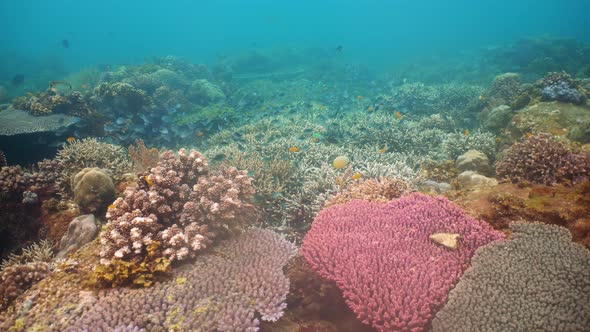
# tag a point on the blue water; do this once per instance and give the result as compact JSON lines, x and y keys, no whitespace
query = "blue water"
{"x":372,"y":32}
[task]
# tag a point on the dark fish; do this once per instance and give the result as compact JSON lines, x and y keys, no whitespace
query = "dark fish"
{"x":18,"y":79}
{"x":339,"y":48}
{"x":65,"y":43}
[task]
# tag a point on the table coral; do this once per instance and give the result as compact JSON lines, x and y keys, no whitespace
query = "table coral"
{"x":392,"y":275}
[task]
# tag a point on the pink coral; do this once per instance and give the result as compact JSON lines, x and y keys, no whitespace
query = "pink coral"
{"x":391,"y":274}
{"x":180,"y":203}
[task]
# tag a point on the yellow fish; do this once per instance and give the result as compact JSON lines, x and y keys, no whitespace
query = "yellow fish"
{"x":149,"y":182}
{"x":398,"y":115}
{"x":30,"y":94}
{"x":71,"y":139}
{"x":200,"y":134}
{"x":383,"y":149}
{"x":294,"y":149}
{"x":84,"y":86}
{"x":359,"y":97}
{"x":466,"y":132}
{"x":528,"y":135}
{"x":357,"y":176}
{"x":112,"y":206}
{"x":370,"y":108}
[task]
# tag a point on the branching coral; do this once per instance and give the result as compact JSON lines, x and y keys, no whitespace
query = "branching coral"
{"x":543,"y":159}
{"x":180,"y":203}
{"x":90,"y":152}
{"x":381,"y":190}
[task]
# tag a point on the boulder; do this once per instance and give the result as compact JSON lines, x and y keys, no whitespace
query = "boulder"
{"x":474,"y":160}
{"x":81,"y":230}
{"x":473,"y":180}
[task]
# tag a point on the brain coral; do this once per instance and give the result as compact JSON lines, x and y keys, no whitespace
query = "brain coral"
{"x":537,"y":281}
{"x":391,"y":274}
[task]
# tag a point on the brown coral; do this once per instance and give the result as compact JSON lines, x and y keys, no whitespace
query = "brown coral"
{"x":381,"y":190}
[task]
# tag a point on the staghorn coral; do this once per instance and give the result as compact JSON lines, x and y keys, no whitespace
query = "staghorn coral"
{"x":41,"y":251}
{"x":180,"y":203}
{"x":361,"y":245}
{"x":536,"y":281}
{"x":505,"y":88}
{"x":456,"y":144}
{"x":89,"y":152}
{"x":543,"y":159}
{"x":381,"y":190}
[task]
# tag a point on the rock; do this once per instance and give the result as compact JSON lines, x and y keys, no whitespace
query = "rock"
{"x":474,"y":160}
{"x":81,"y":230}
{"x":497,"y":118}
{"x":435,"y":187}
{"x":448,"y":240}
{"x":93,"y":189}
{"x":473,"y":180}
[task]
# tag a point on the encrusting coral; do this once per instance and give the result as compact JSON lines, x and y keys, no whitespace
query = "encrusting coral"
{"x":181,"y":204}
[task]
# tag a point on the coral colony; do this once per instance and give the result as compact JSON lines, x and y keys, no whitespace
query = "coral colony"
{"x":252,"y":196}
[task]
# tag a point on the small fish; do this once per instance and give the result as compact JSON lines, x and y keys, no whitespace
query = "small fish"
{"x":528,"y":134}
{"x":322,"y":108}
{"x":339,"y":48}
{"x":398,"y":115}
{"x":65,"y":43}
{"x":370,"y":108}
{"x":359,"y":97}
{"x":71,"y":139}
{"x":357,"y":176}
{"x":466,"y":132}
{"x":84,"y":86}
{"x":18,"y":79}
{"x":30,"y":94}
{"x":200,"y":134}
{"x":383,"y":149}
{"x":112,"y":206}
{"x":294,"y":149}
{"x":148,"y":181}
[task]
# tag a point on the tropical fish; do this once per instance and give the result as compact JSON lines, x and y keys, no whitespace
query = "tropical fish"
{"x":370,"y":108}
{"x":357,"y":176}
{"x":84,"y":86}
{"x":294,"y":149}
{"x":71,"y":139}
{"x":466,"y":132}
{"x":112,"y":206}
{"x":359,"y":97}
{"x":339,"y":48}
{"x":30,"y":94}
{"x":148,"y":181}
{"x":383,"y":149}
{"x":398,"y":115}
{"x":200,"y":134}
{"x":528,"y":134}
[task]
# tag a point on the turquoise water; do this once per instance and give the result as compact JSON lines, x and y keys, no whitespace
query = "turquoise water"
{"x":373,"y":32}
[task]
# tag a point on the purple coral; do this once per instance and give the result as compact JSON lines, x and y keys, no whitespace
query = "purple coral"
{"x":392,"y":275}
{"x":542,"y":159}
{"x":221,"y":291}
{"x":180,"y":203}
{"x":16,"y":279}
{"x":563,"y":92}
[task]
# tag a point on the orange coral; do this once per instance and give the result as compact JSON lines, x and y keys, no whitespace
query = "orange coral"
{"x":143,"y":158}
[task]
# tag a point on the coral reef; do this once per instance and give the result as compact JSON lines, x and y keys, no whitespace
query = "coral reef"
{"x":360,"y":244}
{"x":87,"y":153}
{"x":232,"y":288}
{"x":16,"y":279}
{"x":536,"y":281}
{"x":505,"y":88}
{"x":180,"y":203}
{"x":143,"y":158}
{"x":381,"y":190}
{"x":543,"y":159}
{"x":16,"y":122}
